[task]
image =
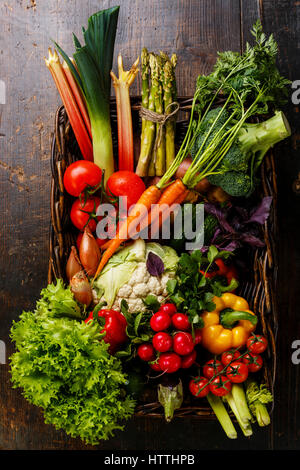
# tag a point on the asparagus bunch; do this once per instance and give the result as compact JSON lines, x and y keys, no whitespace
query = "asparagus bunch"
{"x":158,"y":93}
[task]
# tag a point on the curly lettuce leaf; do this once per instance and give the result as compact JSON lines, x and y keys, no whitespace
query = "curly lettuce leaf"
{"x":63,"y":366}
{"x":58,"y":301}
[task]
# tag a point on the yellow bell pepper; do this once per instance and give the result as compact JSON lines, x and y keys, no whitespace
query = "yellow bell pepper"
{"x":229,"y":325}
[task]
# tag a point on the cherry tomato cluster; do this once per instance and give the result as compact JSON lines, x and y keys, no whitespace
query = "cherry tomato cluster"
{"x":173,"y":343}
{"x":233,"y":366}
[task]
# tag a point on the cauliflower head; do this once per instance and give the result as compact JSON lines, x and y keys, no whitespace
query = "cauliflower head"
{"x":126,"y":276}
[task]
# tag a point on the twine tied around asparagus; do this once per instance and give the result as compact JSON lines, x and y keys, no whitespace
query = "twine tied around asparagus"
{"x":160,"y":119}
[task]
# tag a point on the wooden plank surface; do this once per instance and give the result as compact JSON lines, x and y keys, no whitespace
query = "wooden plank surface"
{"x":196,"y":30}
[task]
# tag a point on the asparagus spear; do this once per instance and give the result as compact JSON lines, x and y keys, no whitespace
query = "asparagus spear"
{"x":145,"y":81}
{"x":148,"y":134}
{"x":160,"y":161}
{"x":168,"y":87}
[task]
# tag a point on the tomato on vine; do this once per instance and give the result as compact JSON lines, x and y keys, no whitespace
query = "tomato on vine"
{"x":199,"y":387}
{"x":81,"y":176}
{"x":83,"y":212}
{"x":237,"y":372}
{"x":257,"y":344}
{"x":229,"y":356}
{"x":254,"y":362}
{"x":220,"y":386}
{"x":212,"y":368}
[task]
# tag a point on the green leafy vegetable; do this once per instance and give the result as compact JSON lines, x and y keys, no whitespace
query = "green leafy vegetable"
{"x":248,"y":84}
{"x":56,"y":300}
{"x":92,"y":72}
{"x":63,"y":366}
{"x":192,"y":291}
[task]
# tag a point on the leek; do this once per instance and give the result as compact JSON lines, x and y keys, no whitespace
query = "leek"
{"x":93,"y":64}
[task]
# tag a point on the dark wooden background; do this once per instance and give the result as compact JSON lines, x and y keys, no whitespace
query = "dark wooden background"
{"x":196,"y":30}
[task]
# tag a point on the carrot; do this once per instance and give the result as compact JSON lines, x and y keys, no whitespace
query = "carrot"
{"x":150,"y":196}
{"x":166,"y":198}
{"x":175,"y":193}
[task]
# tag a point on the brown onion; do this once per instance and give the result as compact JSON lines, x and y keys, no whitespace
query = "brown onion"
{"x":217,"y":194}
{"x":89,"y":252}
{"x":81,"y":288}
{"x":73,"y":264}
{"x":203,"y":186}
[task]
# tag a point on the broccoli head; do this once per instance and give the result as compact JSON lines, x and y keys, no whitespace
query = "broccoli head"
{"x":234,"y":183}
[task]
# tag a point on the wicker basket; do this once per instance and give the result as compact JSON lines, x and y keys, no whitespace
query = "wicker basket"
{"x":259,"y":290}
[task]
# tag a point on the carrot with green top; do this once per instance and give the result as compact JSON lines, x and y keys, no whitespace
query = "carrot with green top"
{"x":149,"y":197}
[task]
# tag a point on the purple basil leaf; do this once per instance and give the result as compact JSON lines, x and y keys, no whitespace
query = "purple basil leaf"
{"x":261,"y":213}
{"x":220,"y":214}
{"x":154,"y":264}
{"x":252,"y":240}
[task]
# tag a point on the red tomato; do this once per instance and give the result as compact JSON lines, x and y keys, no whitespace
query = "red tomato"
{"x":211,"y":368}
{"x":155,"y":366}
{"x":257,"y":344}
{"x":188,"y":360}
{"x":183,"y":343}
{"x":180,"y":321}
{"x":253,"y":362}
{"x":168,"y":308}
{"x":127,"y":184}
{"x":160,"y":321}
{"x":162,"y":342}
{"x":82,"y":175}
{"x":229,"y":356}
{"x":84,"y":213}
{"x":169,"y":362}
{"x":237,"y":372}
{"x":146,"y":352}
{"x":199,"y":387}
{"x":220,"y":386}
{"x":198,"y":336}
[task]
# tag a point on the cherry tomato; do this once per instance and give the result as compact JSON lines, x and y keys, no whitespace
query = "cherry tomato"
{"x":160,"y":321}
{"x":257,"y":344}
{"x":180,"y":321}
{"x":188,"y":360}
{"x":254,"y":362}
{"x":237,"y":372}
{"x":162,"y":342}
{"x":146,"y":352}
{"x":155,"y":366}
{"x":82,"y":175}
{"x":199,"y":387}
{"x":229,"y":356}
{"x":126,"y":184}
{"x":183,"y":343}
{"x":198,"y":336}
{"x":168,"y":308}
{"x":169,"y":362}
{"x":211,"y":368}
{"x":84,"y":213}
{"x":220,"y":386}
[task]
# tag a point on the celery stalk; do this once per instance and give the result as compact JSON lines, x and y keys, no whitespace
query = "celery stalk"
{"x":245,"y":426}
{"x":239,"y":397}
{"x":221,"y":413}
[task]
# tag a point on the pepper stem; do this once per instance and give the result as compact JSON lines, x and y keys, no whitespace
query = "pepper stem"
{"x":229,"y":317}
